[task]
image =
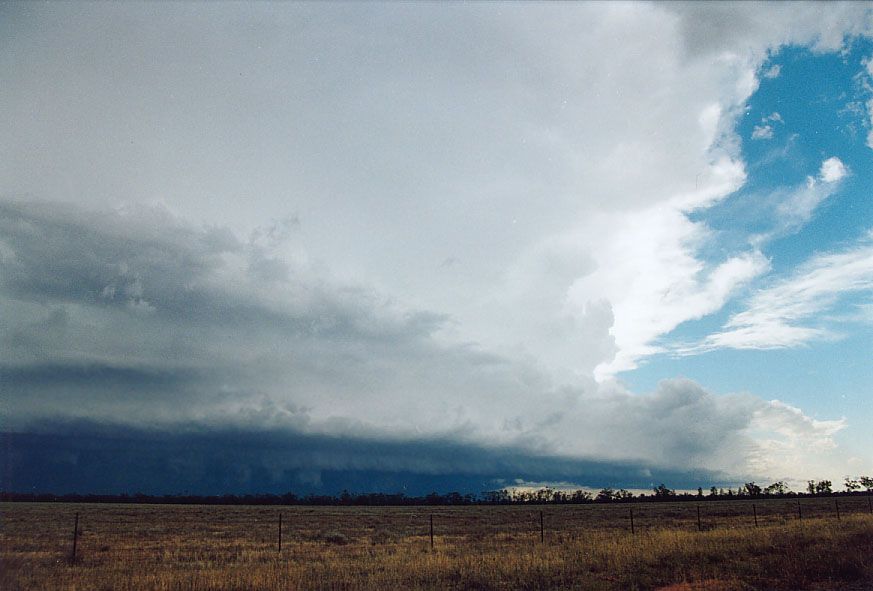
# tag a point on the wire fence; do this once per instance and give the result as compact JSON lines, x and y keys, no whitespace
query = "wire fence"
{"x":194,"y":533}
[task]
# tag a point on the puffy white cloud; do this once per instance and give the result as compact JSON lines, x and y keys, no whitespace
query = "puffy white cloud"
{"x":794,"y":447}
{"x":833,"y":170}
{"x":762,"y":132}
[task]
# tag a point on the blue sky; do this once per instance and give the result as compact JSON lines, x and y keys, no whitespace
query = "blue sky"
{"x":596,"y":243}
{"x":819,"y":99}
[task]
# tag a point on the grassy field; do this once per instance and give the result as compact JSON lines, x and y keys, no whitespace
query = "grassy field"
{"x":584,"y":547}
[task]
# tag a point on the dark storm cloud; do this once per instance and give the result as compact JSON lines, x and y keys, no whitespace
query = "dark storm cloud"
{"x":93,"y":376}
{"x":79,"y":457}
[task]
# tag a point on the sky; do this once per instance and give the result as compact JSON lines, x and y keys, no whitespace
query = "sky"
{"x":426,"y":246}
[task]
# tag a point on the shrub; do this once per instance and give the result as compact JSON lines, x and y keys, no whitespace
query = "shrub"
{"x":335,"y":537}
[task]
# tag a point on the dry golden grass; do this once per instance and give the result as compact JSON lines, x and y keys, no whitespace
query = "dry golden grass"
{"x":586,"y":547}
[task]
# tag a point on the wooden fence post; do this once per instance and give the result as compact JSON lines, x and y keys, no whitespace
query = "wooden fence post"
{"x":542,"y":529}
{"x":633,"y":532}
{"x":75,"y":539}
{"x":431,"y":531}
{"x":699,"y":525}
{"x":837,"y":507}
{"x":280,"y":531}
{"x":755,"y":513}
{"x":799,"y":512}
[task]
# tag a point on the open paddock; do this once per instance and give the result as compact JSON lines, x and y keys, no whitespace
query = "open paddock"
{"x":795,"y":545}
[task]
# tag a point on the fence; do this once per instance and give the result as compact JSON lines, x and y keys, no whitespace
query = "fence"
{"x":179,"y":533}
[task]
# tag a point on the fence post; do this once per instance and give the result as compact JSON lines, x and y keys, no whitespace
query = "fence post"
{"x":280,"y":531}
{"x":755,"y":513}
{"x":431,"y":531}
{"x":542,"y":529}
{"x":75,"y":539}
{"x":633,"y":532}
{"x":799,"y":512}
{"x":699,"y":525}
{"x":869,"y":503}
{"x":837,"y":507}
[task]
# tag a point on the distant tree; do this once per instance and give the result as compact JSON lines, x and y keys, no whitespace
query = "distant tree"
{"x":700,"y":492}
{"x":605,"y":495}
{"x":662,"y":492}
{"x":777,"y":488}
{"x":713,"y":492}
{"x":866,"y":482}
{"x":581,"y":496}
{"x":545,"y":495}
{"x":453,"y":498}
{"x":852,"y":484}
{"x":820,"y":487}
{"x":496,"y":497}
{"x":623,"y":495}
{"x":752,"y":489}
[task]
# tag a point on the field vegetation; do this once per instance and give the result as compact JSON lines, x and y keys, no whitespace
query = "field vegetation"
{"x":474,"y":547}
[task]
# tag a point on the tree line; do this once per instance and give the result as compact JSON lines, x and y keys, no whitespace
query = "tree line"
{"x":544,"y":495}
